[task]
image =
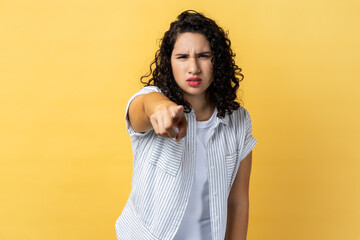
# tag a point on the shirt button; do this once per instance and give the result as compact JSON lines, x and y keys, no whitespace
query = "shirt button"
{"x":216,"y":218}
{"x":212,"y":167}
{"x":215,"y":193}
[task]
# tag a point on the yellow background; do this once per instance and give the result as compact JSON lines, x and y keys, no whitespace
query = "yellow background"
{"x":68,"y":67}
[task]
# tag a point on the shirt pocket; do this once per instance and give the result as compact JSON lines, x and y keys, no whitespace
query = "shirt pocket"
{"x":167,"y":154}
{"x":231,"y":163}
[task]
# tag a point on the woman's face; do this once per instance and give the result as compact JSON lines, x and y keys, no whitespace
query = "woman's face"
{"x":191,"y":64}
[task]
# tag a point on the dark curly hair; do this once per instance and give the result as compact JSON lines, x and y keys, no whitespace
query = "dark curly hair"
{"x":226,"y":75}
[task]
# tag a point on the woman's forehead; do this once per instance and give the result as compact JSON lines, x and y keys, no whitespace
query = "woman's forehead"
{"x":189,"y":41}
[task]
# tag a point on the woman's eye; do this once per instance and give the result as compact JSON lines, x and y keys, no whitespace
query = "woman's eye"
{"x":199,"y":56}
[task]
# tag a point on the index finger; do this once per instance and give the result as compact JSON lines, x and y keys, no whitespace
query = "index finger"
{"x":178,"y":110}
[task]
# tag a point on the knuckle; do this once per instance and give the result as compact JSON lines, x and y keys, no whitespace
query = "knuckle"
{"x":152,"y":117}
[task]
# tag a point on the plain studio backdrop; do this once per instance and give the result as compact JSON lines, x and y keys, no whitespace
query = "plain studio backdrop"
{"x":68,"y":67}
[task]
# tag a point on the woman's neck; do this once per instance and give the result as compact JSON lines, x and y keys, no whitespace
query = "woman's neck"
{"x":202,"y":107}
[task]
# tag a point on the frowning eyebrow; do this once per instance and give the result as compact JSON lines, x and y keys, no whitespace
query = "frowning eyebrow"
{"x":197,"y":54}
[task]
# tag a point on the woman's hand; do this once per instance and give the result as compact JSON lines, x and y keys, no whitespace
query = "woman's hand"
{"x":155,"y":111}
{"x":168,"y":120}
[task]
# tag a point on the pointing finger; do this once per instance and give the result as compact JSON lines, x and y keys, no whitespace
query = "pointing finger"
{"x":179,"y":110}
{"x":169,"y":125}
{"x":182,"y":125}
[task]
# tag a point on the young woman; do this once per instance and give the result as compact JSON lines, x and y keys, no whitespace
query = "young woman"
{"x":192,"y":142}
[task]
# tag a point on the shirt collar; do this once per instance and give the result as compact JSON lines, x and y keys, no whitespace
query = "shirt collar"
{"x":225,"y":120}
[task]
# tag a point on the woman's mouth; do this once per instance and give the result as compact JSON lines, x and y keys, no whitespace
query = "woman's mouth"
{"x":194,"y":81}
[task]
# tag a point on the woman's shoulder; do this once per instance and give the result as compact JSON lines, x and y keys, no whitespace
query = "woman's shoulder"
{"x":240,"y":112}
{"x":149,"y":89}
{"x":239,"y":116}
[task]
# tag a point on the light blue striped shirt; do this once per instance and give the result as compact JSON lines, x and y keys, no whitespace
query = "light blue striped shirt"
{"x":163,"y":172}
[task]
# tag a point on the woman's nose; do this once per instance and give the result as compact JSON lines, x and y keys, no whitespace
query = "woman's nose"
{"x":194,"y":67}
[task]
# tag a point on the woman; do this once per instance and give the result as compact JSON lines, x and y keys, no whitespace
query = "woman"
{"x":192,"y":142}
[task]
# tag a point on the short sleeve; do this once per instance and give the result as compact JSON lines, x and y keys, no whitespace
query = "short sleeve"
{"x":144,"y":90}
{"x":249,"y":141}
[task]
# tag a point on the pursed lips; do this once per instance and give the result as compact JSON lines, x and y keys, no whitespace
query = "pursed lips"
{"x":194,"y":81}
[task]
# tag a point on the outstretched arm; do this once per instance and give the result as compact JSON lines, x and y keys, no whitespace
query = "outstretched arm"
{"x":238,"y":202}
{"x":155,"y":111}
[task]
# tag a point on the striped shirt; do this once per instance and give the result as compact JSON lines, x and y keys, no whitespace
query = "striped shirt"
{"x":163,"y":172}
